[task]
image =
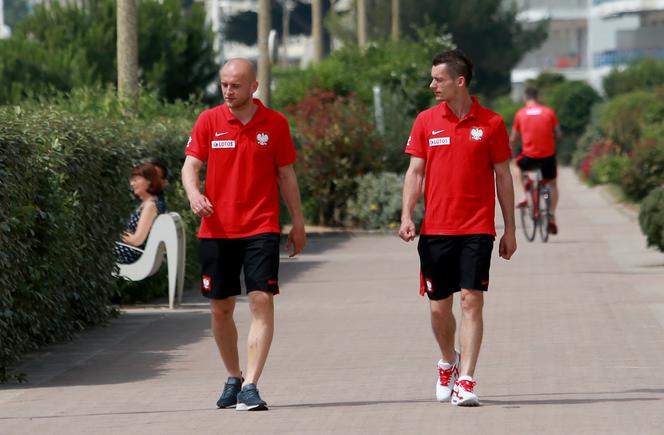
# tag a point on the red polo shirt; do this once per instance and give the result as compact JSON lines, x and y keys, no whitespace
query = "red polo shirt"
{"x":459,"y":193}
{"x":537,"y":124}
{"x":241,"y":174}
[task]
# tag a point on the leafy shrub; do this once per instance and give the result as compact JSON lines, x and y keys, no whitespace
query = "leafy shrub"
{"x":337,"y":144}
{"x":400,"y":68}
{"x":645,"y":170}
{"x":573,"y":102}
{"x":651,"y":218}
{"x":377,"y":202}
{"x":64,"y":172}
{"x":507,"y":108}
{"x":608,"y":169}
{"x":592,"y":135}
{"x":60,"y":46}
{"x":624,"y":117}
{"x":545,"y":81}
{"x":597,"y":151}
{"x":397,"y":66}
{"x":641,"y":75}
{"x":63,"y":204}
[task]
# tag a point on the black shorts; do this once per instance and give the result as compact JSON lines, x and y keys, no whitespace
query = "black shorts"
{"x":547,"y":165}
{"x":450,"y":263}
{"x":222,"y":260}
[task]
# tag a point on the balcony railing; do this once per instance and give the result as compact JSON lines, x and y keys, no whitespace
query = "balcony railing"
{"x":617,"y":57}
{"x":615,"y":8}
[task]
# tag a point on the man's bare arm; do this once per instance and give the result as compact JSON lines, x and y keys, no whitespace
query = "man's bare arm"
{"x":505,"y":192}
{"x":290,"y":192}
{"x":412,"y":188}
{"x":191,"y":182}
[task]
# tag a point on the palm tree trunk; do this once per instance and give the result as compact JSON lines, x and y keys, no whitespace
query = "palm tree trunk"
{"x":361,"y":23}
{"x":285,"y":25}
{"x":264,"y":25}
{"x":317,"y":30}
{"x":127,"y":47}
{"x":395,"y":20}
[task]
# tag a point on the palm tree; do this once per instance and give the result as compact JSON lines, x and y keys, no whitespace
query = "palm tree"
{"x":286,"y":6}
{"x":361,"y":23}
{"x":317,"y":30}
{"x":264,"y":25}
{"x":127,"y":46}
{"x":395,"y":20}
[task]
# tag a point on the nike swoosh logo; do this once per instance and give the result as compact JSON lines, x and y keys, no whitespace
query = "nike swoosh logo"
{"x":437,"y":131}
{"x":220,"y":134}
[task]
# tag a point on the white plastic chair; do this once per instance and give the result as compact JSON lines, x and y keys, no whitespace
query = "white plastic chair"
{"x":167,"y":236}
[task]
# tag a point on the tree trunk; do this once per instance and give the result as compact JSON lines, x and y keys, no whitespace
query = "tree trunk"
{"x":317,"y":30}
{"x":361,"y":24}
{"x":285,"y":25}
{"x":395,"y":20}
{"x":264,"y":25}
{"x":127,"y":46}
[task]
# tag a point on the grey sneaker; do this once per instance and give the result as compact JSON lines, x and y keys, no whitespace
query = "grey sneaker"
{"x":229,"y":396}
{"x":249,"y":400}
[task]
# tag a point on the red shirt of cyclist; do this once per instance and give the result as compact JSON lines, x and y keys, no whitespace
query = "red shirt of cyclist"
{"x":536,"y":123}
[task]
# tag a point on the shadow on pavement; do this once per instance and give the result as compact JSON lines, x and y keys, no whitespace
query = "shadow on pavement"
{"x":349,"y":404}
{"x":145,"y":339}
{"x":562,"y":401}
{"x":619,"y":396}
{"x":137,"y":346}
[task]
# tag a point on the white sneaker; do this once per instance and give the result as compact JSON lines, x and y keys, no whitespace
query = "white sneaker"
{"x":447,"y":375}
{"x":463,"y":392}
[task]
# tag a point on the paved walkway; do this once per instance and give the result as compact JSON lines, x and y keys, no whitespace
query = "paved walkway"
{"x":574,"y":344}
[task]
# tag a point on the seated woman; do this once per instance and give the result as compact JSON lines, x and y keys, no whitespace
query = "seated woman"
{"x":146,"y":185}
{"x":162,"y":170}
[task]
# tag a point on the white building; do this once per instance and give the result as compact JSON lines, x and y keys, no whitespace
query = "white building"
{"x":218,"y":12}
{"x":589,"y":37}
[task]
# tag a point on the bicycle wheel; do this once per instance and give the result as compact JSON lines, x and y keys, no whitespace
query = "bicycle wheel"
{"x":528,"y":219}
{"x":545,"y":214}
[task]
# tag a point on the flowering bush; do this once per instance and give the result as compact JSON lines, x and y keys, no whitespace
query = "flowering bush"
{"x":337,"y":144}
{"x":597,"y":151}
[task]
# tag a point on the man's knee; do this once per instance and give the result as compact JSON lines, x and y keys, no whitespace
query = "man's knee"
{"x":261,"y":303}
{"x":441,"y":309}
{"x":472,"y":302}
{"x":222,"y":308}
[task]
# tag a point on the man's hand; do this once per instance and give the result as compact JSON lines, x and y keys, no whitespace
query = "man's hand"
{"x":200,"y":205}
{"x":407,"y":230}
{"x":507,"y":245}
{"x":296,"y":240}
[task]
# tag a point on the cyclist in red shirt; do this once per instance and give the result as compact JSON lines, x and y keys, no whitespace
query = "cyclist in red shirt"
{"x":249,"y":155}
{"x":458,"y":146}
{"x":538,"y":128}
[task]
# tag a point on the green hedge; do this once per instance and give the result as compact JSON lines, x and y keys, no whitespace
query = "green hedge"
{"x":645,"y":170}
{"x":624,"y":118}
{"x":651,"y":218}
{"x":643,"y":74}
{"x":63,"y":203}
{"x":64,"y":173}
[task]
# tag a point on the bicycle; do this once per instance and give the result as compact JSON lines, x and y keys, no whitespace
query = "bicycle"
{"x":537,"y":211}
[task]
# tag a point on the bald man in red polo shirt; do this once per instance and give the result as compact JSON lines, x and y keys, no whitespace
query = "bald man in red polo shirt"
{"x":249,"y":155}
{"x":456,"y":148}
{"x":538,"y":128}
